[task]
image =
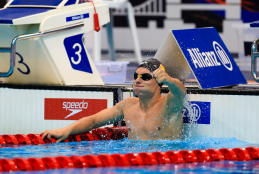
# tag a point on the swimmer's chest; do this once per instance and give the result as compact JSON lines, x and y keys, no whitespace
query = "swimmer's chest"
{"x":151,"y":121}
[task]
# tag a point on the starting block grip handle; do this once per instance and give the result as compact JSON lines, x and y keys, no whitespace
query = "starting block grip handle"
{"x":7,"y":74}
{"x":254,"y":56}
{"x":5,"y":50}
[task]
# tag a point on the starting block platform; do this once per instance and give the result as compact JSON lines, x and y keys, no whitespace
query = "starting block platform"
{"x":45,"y":41}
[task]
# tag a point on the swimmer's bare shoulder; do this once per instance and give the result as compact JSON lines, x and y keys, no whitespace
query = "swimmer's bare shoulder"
{"x":128,"y":102}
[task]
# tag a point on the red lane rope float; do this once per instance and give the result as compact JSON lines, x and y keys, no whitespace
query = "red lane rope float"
{"x":134,"y":159}
{"x":37,"y":164}
{"x":215,"y":154}
{"x":107,"y":160}
{"x":35,"y":139}
{"x":120,"y":160}
{"x":103,"y":160}
{"x":79,"y":161}
{"x":51,"y":163}
{"x":93,"y":161}
{"x":109,"y":133}
{"x":188,"y":156}
{"x":22,"y":164}
{"x":10,"y":139}
{"x":202,"y":155}
{"x":144,"y":158}
{"x":65,"y":162}
{"x":2,"y":141}
{"x":22,"y":139}
{"x":175,"y":156}
{"x":8,"y":165}
{"x":162,"y":157}
{"x":148,"y":158}
{"x":254,"y":152}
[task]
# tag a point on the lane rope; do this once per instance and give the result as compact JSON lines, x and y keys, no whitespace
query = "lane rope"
{"x":103,"y":160}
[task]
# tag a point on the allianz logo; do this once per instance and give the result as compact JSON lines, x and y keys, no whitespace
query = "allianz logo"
{"x":209,"y":58}
{"x":194,"y":114}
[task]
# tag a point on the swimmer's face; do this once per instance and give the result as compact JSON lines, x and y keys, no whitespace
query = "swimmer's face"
{"x":144,"y":87}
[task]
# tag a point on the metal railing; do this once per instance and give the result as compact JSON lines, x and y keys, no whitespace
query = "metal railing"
{"x":12,"y":50}
{"x":254,"y":56}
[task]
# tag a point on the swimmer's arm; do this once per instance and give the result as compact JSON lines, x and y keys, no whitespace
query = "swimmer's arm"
{"x":86,"y":124}
{"x":176,"y":88}
{"x":102,"y":118}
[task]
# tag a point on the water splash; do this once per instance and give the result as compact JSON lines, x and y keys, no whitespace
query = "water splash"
{"x":190,"y":129}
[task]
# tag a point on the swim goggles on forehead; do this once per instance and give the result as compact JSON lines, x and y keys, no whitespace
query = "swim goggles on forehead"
{"x":145,"y":76}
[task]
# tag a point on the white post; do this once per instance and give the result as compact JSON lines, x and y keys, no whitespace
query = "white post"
{"x":133,"y":28}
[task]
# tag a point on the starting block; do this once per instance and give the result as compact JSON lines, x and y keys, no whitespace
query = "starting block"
{"x":46,"y":39}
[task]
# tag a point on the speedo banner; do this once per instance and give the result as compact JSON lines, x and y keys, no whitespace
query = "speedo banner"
{"x":72,"y":109}
{"x":208,"y":57}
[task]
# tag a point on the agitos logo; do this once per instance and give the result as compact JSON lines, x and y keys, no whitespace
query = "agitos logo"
{"x":209,"y":58}
{"x":197,"y":112}
{"x":72,"y":109}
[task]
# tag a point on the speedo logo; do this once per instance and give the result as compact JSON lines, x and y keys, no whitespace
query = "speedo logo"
{"x":209,"y":58}
{"x":72,"y":108}
{"x":75,"y":107}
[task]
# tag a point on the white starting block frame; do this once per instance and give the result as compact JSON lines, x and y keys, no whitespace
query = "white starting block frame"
{"x":46,"y":42}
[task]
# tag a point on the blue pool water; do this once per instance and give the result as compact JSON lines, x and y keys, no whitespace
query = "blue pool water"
{"x":117,"y":146}
{"x":129,"y":146}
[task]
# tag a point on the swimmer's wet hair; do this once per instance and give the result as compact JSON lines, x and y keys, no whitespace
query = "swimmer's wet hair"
{"x":151,"y":64}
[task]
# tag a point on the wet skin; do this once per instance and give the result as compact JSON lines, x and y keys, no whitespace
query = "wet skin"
{"x":151,"y":116}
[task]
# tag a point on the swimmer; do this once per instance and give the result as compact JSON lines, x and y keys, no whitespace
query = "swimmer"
{"x":149,"y":116}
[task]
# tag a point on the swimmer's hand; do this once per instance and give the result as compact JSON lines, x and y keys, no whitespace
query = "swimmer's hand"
{"x":175,"y":86}
{"x":59,"y":134}
{"x":161,"y":76}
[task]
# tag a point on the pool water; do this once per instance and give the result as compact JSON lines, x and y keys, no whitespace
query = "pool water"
{"x":128,"y":146}
{"x":117,"y":146}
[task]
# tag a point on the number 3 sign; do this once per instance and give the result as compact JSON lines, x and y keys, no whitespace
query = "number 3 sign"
{"x":77,"y":54}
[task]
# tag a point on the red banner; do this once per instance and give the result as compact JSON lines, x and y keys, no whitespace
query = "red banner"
{"x":72,"y":109}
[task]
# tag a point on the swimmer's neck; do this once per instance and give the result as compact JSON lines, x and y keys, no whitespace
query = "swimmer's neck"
{"x":148,"y":102}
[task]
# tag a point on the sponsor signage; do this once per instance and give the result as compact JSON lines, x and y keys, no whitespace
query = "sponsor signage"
{"x":77,"y":17}
{"x":76,"y":53}
{"x":72,"y":109}
{"x":198,"y":113}
{"x":208,"y":57}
